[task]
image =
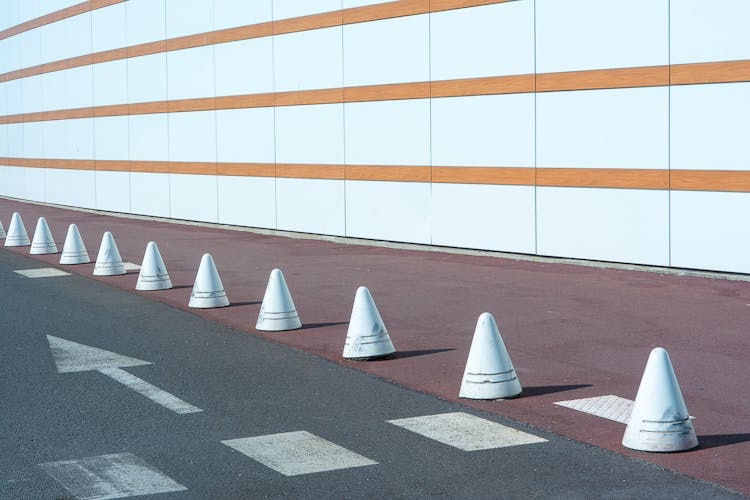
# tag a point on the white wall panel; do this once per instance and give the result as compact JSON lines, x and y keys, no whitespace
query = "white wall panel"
{"x":55,"y":139}
{"x":395,"y":211}
{"x":47,"y":6}
{"x":147,"y":78}
{"x":244,"y":67}
{"x":482,"y":41}
{"x":231,"y":13}
{"x":76,"y":188}
{"x":310,"y":205}
{"x":3,"y":97}
{"x":190,"y":73}
{"x":67,"y":38}
{"x":33,"y":138}
{"x":110,"y":82}
{"x":113,"y":191}
{"x":284,"y":9}
{"x":187,"y":17}
{"x":36,"y":184}
{"x":146,"y":21}
{"x":31,"y":47}
{"x":149,"y":193}
{"x":621,"y":225}
{"x":388,"y":51}
{"x":245,"y":135}
{"x":709,"y":126}
{"x":79,"y":87}
{"x":33,"y":97}
{"x":247,"y":201}
{"x":79,"y":138}
{"x":13,"y":183}
{"x":10,"y":14}
{"x":149,"y":137}
{"x":4,"y":140}
{"x":193,"y":197}
{"x":593,"y":34}
{"x":192,"y":136}
{"x":483,"y":216}
{"x":706,"y":231}
{"x":709,"y":30}
{"x":388,"y":132}
{"x":310,"y":134}
{"x":618,"y":128}
{"x":53,"y":88}
{"x":15,"y":139}
{"x":308,"y":60}
{"x":14,"y":96}
{"x":111,"y":138}
{"x":108,"y":27}
{"x":494,"y":130}
{"x":12,"y":53}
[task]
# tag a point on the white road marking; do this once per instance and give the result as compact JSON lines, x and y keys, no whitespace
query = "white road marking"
{"x":609,"y":407}
{"x":296,"y":453}
{"x":42,"y":272}
{"x":158,"y":396}
{"x":129,"y":266}
{"x":120,"y":475}
{"x":71,"y":356}
{"x":466,"y":432}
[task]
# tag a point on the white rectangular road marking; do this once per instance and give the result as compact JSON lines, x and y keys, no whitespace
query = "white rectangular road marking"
{"x":120,"y":475}
{"x":43,"y":272}
{"x":129,"y":266}
{"x":295,"y":453}
{"x":466,"y":432}
{"x":152,"y":392}
{"x":609,"y":407}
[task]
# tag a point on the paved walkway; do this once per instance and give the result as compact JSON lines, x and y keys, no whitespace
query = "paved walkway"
{"x":572,"y":332}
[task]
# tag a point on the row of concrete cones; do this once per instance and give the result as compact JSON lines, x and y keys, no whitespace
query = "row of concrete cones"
{"x":659,"y":422}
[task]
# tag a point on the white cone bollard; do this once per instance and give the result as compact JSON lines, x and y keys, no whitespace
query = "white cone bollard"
{"x":208,"y":291}
{"x":16,"y":236}
{"x":367,"y":337}
{"x":109,"y":262}
{"x":277,"y":313}
{"x":660,"y":421}
{"x":43,"y":242}
{"x":2,"y":230}
{"x":153,"y":275}
{"x":489,"y":372}
{"x":74,"y":251}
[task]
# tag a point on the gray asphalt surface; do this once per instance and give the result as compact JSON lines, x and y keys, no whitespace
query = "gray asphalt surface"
{"x":248,"y":386}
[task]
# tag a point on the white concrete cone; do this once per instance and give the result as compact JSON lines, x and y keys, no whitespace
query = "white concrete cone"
{"x":367,"y":337}
{"x":489,"y":373}
{"x":660,"y":420}
{"x":43,"y":242}
{"x":74,"y":251}
{"x":16,"y":236}
{"x":208,"y":291}
{"x":154,"y":275}
{"x":109,"y":262}
{"x":277,"y":313}
{"x":2,"y":230}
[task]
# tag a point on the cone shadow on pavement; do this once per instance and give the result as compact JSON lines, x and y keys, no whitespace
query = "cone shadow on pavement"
{"x":74,"y":251}
{"x":109,"y":262}
{"x":16,"y":235}
{"x":367,"y":336}
{"x":660,"y":421}
{"x":277,"y":313}
{"x":153,"y":274}
{"x":43,"y":242}
{"x":489,"y":372}
{"x":208,"y":290}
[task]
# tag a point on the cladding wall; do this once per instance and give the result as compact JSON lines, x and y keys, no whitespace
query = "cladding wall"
{"x":595,"y":129}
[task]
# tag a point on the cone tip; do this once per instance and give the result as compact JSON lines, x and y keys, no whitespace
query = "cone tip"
{"x":108,"y":234}
{"x":151,"y":244}
{"x":276,"y":273}
{"x":42,"y":219}
{"x":362,"y":290}
{"x":206,"y":256}
{"x":485,"y":316}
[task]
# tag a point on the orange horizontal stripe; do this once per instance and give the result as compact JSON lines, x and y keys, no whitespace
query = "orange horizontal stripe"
{"x":112,"y":165}
{"x":647,"y":76}
{"x":247,"y":169}
{"x":192,"y":167}
{"x":392,"y":91}
{"x":23,"y":162}
{"x":190,"y":41}
{"x":69,"y":164}
{"x":710,"y":72}
{"x":710,"y":180}
{"x":243,"y":32}
{"x":199,"y":104}
{"x":112,"y":110}
{"x":59,"y":15}
{"x":308,"y":171}
{"x":72,"y":62}
{"x":407,"y":173}
{"x":310,"y":22}
{"x":482,"y":86}
{"x":603,"y":177}
{"x":145,"y":49}
{"x":109,"y":55}
{"x":245,"y":101}
{"x":386,"y":10}
{"x":159,"y":167}
{"x":302,"y":97}
{"x":520,"y":176}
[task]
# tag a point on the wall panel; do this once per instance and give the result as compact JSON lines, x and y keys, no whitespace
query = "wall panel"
{"x":310,"y":134}
{"x":709,"y":30}
{"x":193,"y":197}
{"x":310,"y":206}
{"x":149,"y":193}
{"x":113,"y":191}
{"x":247,"y":201}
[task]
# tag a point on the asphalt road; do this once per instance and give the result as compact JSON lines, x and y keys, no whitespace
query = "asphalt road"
{"x":247,"y":386}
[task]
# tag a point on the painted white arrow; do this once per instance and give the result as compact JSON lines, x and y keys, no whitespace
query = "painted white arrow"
{"x":74,"y":357}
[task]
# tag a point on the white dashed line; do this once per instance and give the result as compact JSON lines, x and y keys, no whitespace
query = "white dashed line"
{"x":466,"y":432}
{"x":120,"y":475}
{"x":609,"y":407}
{"x":43,"y":272}
{"x":296,"y":453}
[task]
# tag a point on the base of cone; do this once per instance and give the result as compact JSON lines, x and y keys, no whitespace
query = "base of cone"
{"x":278,"y":324}
{"x":501,"y":390}
{"x":110,"y":270}
{"x":197,"y":302}
{"x":43,"y":250}
{"x":11,"y":241}
{"x":660,"y":437}
{"x":150,"y":284}
{"x":368,"y":347}
{"x":75,"y":258}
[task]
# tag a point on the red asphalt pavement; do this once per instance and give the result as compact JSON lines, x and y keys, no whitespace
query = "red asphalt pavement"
{"x":572,"y":331}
